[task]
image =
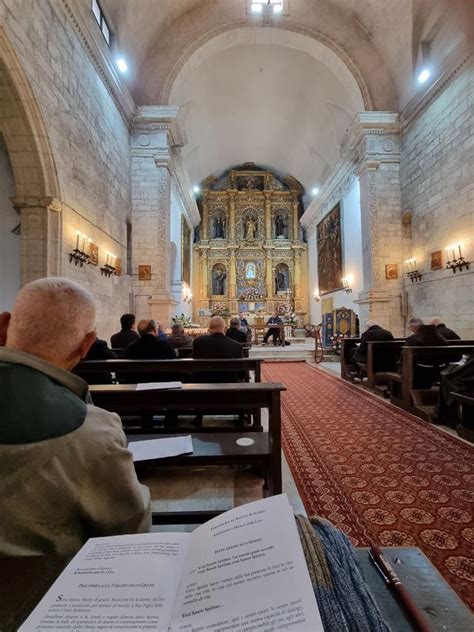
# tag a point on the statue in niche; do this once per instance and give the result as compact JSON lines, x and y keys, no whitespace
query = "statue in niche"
{"x":280,"y":281}
{"x":250,"y":272}
{"x":280,"y":227}
{"x":219,"y":228}
{"x":218,"y":282}
{"x":250,"y":229}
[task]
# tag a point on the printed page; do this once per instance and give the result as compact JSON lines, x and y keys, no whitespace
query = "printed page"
{"x":160,"y":448}
{"x":125,"y":583}
{"x":158,"y":386}
{"x":245,"y":571}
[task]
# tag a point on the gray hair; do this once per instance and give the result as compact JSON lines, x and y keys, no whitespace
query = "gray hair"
{"x":177,"y":328}
{"x":436,"y":321}
{"x":235,"y":321}
{"x":146,"y":326}
{"x":415,"y":321}
{"x":371,"y":323}
{"x":51,"y":317}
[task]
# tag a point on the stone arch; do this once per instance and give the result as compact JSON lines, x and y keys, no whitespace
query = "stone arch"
{"x":37,"y":187}
{"x":306,"y":40}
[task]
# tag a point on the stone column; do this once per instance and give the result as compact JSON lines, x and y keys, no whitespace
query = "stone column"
{"x":41,"y":237}
{"x":154,"y":134}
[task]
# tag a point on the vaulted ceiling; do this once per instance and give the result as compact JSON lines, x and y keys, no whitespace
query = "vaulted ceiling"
{"x":281,"y":95}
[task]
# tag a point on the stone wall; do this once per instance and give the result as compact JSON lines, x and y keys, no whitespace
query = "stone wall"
{"x":9,"y":242}
{"x":437,"y":185}
{"x":89,"y":140}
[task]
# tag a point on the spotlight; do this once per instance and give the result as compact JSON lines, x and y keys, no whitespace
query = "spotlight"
{"x":315,"y":191}
{"x":424,"y":75}
{"x":122,"y":64}
{"x":196,"y":189}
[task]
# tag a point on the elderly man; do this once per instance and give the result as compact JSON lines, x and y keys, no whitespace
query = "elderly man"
{"x":216,"y":344}
{"x":150,"y":346}
{"x":374,"y":332}
{"x":65,"y":470}
{"x":234,"y":331}
{"x":446,"y":332}
{"x":178,"y":338}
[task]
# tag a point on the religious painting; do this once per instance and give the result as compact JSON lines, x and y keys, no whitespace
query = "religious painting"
{"x":185,"y":251}
{"x":144,"y":273}
{"x":250,"y":270}
{"x":329,"y":244}
{"x":118,"y":267}
{"x":93,"y":253}
{"x":250,"y":182}
{"x":436,"y":260}
{"x":391,"y":271}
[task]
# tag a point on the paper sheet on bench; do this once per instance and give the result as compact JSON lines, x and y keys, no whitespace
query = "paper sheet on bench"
{"x":160,"y":448}
{"x":158,"y":386}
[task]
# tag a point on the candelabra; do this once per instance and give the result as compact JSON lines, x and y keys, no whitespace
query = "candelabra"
{"x":346,"y":284}
{"x":107,"y":270}
{"x":414,"y":275}
{"x":456,"y":263}
{"x":79,"y":257}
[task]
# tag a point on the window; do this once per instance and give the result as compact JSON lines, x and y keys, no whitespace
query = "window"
{"x":257,"y":6}
{"x":101,"y":21}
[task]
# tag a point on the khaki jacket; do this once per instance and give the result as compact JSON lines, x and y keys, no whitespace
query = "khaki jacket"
{"x":65,"y":471}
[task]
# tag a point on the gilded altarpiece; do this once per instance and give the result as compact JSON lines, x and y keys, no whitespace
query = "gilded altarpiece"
{"x":249,"y":253}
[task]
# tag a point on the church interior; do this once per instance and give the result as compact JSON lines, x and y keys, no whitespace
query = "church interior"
{"x":245,"y":227}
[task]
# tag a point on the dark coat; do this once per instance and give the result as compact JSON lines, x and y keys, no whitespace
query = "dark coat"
{"x":123,"y":338}
{"x":217,"y":346}
{"x":100,"y":351}
{"x":448,"y":334}
{"x":237,"y":335}
{"x":374,"y":333}
{"x":426,"y":336}
{"x":149,"y":347}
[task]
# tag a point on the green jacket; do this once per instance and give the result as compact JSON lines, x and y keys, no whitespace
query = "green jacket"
{"x":65,"y":471}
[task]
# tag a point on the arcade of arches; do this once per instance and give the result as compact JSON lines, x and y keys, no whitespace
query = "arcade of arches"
{"x":321,"y":157}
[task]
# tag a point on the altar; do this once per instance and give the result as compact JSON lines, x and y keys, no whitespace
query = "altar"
{"x":249,"y":255}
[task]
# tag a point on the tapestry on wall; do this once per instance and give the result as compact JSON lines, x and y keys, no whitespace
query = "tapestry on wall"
{"x":185,"y":251}
{"x":329,"y":243}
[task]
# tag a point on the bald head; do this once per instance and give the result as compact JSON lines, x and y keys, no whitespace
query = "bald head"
{"x":371,"y":323}
{"x":216,"y":325}
{"x":54,"y":319}
{"x":147,"y":326}
{"x":436,"y":322}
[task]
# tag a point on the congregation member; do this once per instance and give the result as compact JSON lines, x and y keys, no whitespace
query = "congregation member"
{"x":150,"y":346}
{"x":448,"y":334}
{"x":100,"y":351}
{"x":216,"y":344}
{"x":426,"y":373}
{"x":66,"y":474}
{"x":178,"y":339}
{"x":274,"y":332}
{"x":234,"y":331}
{"x":414,"y":324}
{"x":374,"y":332}
{"x":128,"y":333}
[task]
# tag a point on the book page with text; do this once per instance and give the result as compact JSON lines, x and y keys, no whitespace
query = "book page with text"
{"x":245,"y":571}
{"x":125,"y":582}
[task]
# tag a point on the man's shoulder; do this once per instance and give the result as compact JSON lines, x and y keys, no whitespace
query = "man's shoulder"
{"x":101,"y":428}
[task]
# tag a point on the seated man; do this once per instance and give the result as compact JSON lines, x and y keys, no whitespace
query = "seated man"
{"x":64,"y":465}
{"x":235,"y":332}
{"x":448,"y":334}
{"x":273,"y":331}
{"x":150,"y":346}
{"x":100,"y":351}
{"x":127,"y":335}
{"x":178,"y":339}
{"x":359,"y":354}
{"x":216,"y":344}
{"x":413,"y":325}
{"x":428,"y":371}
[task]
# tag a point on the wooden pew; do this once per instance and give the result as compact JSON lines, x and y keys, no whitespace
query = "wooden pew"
{"x":465,"y":405}
{"x":209,"y":448}
{"x":346,"y":346}
{"x":377,"y":364}
{"x":402,"y":385}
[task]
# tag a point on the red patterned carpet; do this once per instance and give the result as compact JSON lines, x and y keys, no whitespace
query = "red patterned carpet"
{"x":377,"y":472}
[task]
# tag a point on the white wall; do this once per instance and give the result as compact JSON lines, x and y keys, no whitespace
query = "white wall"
{"x":177,"y":284}
{"x":351,"y":257}
{"x":9,"y":243}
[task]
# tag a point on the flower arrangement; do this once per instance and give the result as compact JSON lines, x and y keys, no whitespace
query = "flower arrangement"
{"x":336,"y":342}
{"x":182,"y":320}
{"x":220,"y":309}
{"x":283,"y":308}
{"x":250,"y":294}
{"x":291,"y":319}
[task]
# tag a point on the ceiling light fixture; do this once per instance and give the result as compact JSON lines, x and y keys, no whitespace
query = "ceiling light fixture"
{"x":196,"y":189}
{"x":122,"y":64}
{"x":424,"y":75}
{"x":315,"y":191}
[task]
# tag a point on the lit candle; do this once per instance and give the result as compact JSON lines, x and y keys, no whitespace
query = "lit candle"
{"x":77,"y":239}
{"x":459,"y":248}
{"x":107,"y":262}
{"x":414,"y":264}
{"x":453,"y":254}
{"x":83,"y":243}
{"x":447,"y":252}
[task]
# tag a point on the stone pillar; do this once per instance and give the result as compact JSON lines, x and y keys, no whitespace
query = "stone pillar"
{"x":41,"y":237}
{"x":154,"y":135}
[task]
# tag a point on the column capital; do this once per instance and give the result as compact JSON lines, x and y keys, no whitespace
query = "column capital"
{"x":372,"y":137}
{"x":156,"y":119}
{"x":20,"y":202}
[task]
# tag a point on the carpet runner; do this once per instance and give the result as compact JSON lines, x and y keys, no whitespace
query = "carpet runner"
{"x":377,"y":472}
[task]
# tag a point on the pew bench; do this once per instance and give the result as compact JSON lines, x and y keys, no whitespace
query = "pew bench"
{"x":465,"y":405}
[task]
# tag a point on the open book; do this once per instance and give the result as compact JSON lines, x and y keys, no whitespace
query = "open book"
{"x":243,"y":571}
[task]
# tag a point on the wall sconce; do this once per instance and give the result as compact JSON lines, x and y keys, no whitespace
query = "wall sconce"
{"x":79,"y":254}
{"x":346,"y":283}
{"x":316,"y":296}
{"x":413,"y":273}
{"x":108,"y":269}
{"x":455,"y":263}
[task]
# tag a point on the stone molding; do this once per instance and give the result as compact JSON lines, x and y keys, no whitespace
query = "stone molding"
{"x":152,"y":119}
{"x":105,"y":69}
{"x":21,"y":202}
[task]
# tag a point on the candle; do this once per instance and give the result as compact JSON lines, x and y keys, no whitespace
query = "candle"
{"x":453,"y":255}
{"x":89,"y":241}
{"x":459,"y":248}
{"x":77,"y":240}
{"x":107,"y":262}
{"x":83,"y":243}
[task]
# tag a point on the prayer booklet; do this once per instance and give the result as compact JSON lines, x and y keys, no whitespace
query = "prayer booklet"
{"x":160,"y":448}
{"x":242,"y":571}
{"x":158,"y":386}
